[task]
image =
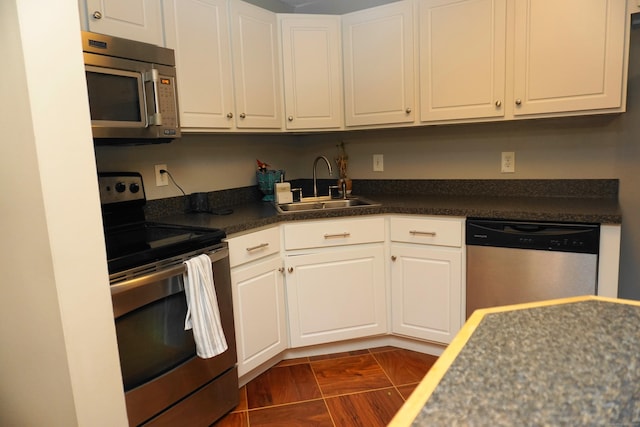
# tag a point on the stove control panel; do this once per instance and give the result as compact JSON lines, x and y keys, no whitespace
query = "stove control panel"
{"x":120,"y":187}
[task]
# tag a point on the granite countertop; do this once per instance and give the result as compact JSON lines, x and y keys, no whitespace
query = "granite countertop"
{"x":568,"y":362}
{"x":568,"y":200}
{"x":252,"y":215}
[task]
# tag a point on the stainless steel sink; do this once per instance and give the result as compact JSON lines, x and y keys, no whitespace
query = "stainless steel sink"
{"x":320,"y":203}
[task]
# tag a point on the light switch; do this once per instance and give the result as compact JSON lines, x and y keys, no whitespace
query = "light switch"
{"x":378,"y":163}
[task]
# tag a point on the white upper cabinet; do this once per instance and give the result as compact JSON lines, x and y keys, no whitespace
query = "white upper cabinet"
{"x":254,"y":42}
{"x":379,"y":65}
{"x":312,"y":67}
{"x":139,"y":20}
{"x":462,"y":58}
{"x":198,"y":31}
{"x":569,"y":55}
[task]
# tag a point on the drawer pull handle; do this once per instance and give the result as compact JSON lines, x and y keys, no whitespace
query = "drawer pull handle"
{"x":338,"y":235}
{"x":255,"y":248}
{"x":422,"y":233}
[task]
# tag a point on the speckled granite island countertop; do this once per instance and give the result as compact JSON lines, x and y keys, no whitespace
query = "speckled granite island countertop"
{"x":586,"y":201}
{"x":568,"y":362}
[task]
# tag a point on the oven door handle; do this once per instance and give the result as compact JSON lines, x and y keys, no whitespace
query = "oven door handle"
{"x":136,"y":292}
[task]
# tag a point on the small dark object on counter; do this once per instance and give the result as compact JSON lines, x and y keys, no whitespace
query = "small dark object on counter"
{"x":227,"y":211}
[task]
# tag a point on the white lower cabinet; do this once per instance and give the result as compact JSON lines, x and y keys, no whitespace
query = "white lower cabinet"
{"x":260,"y":315}
{"x":258,"y":298}
{"x":335,"y":290}
{"x":427,"y":277}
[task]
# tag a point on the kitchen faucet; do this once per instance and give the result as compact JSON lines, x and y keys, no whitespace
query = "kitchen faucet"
{"x":315,"y":163}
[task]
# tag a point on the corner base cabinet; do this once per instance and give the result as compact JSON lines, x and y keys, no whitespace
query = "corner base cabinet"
{"x":336,"y":293}
{"x":427,"y":277}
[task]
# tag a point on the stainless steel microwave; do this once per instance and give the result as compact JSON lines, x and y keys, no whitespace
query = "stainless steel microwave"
{"x":132,"y":90}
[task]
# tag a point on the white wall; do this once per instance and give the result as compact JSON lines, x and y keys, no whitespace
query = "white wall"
{"x":201,"y":162}
{"x":58,"y":359}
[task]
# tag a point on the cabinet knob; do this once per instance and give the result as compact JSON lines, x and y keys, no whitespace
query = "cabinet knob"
{"x":290,"y":118}
{"x":281,"y":269}
{"x":518,"y":101}
{"x":290,"y":269}
{"x":229,"y":115}
{"x":498,"y":104}
{"x":393,"y":257}
{"x":97,"y":15}
{"x":408,"y":110}
{"x":243,"y":115}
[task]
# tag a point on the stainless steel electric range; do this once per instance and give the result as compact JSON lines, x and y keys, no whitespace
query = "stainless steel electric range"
{"x":165,"y":382}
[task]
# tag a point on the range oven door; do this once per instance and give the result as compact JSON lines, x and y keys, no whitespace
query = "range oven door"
{"x":157,"y":356}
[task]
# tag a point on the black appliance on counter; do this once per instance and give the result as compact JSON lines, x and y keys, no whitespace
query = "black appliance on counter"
{"x":165,"y":382}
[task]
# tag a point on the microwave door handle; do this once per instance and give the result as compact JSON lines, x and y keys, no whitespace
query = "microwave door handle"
{"x":155,"y":117}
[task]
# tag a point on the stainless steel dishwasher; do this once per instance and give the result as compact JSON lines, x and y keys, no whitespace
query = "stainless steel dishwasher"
{"x":511,"y":262}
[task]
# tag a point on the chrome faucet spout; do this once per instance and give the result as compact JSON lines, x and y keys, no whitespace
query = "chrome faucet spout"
{"x":315,"y":163}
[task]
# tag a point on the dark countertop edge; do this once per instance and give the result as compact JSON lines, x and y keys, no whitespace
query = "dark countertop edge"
{"x":248,"y":216}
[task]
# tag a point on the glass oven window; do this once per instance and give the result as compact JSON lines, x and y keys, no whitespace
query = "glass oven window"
{"x":152,"y":340}
{"x":116,"y":97}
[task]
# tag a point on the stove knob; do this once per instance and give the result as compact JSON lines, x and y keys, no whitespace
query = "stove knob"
{"x":120,"y":187}
{"x":134,"y":187}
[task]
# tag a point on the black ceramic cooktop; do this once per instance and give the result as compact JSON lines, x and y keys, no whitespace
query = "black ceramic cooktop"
{"x":134,"y":245}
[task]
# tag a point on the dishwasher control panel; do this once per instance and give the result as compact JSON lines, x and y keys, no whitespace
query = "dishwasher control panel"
{"x":550,"y":236}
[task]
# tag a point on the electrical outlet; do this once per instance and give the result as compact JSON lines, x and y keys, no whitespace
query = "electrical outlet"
{"x":378,"y":163}
{"x":161,"y":178}
{"x":508,"y":162}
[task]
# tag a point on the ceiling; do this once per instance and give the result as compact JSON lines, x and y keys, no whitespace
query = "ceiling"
{"x":328,"y":6}
{"x":296,"y":3}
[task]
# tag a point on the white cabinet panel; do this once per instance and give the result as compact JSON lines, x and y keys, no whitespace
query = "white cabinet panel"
{"x":569,"y":55}
{"x":312,"y":67}
{"x":442,"y":231}
{"x":462,"y":58}
{"x":379,"y":65}
{"x":255,"y":52}
{"x":427,"y":276}
{"x":260,"y":312}
{"x":198,"y":31}
{"x":327,"y":233}
{"x":426,"y":291}
{"x":253,"y":246}
{"x":139,"y":20}
{"x":336,"y":295}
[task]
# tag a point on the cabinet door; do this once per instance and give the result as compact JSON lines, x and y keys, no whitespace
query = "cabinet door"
{"x":569,"y":55}
{"x":256,"y":69}
{"x":462,"y":59}
{"x":336,"y":295}
{"x":312,"y":67}
{"x":259,"y":310}
{"x":426,"y":292}
{"x":139,"y":20}
{"x":198,"y":31}
{"x":378,"y":65}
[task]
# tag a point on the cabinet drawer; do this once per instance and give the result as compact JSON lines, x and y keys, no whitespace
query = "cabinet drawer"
{"x":326,"y":233}
{"x":252,"y":246}
{"x":427,"y":231}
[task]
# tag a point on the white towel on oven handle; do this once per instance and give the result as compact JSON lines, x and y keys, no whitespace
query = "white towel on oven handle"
{"x":203,"y":314}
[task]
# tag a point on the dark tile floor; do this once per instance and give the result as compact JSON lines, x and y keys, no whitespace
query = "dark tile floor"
{"x":358,"y":388}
